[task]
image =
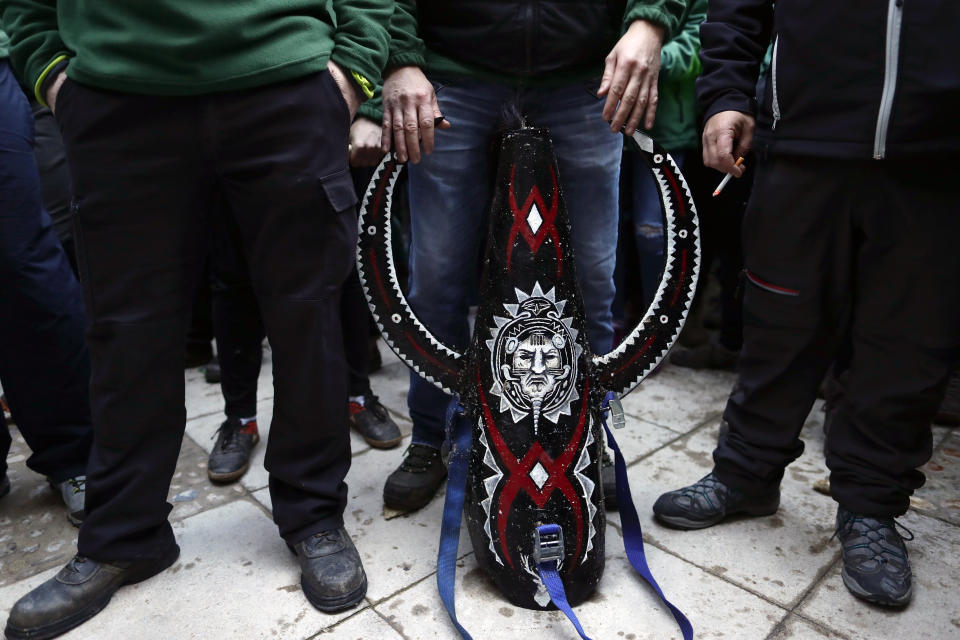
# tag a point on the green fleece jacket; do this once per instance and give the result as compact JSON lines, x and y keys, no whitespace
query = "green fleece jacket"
{"x":406,"y":48}
{"x":189,"y":47}
{"x":4,"y":43}
{"x":676,"y":124}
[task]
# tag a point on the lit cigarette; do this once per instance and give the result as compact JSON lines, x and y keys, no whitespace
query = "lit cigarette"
{"x":726,"y":179}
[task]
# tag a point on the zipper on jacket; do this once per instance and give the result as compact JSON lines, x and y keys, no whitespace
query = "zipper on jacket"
{"x":890,"y":68}
{"x":775,"y":102}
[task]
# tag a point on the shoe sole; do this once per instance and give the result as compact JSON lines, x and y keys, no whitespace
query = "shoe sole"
{"x":854,"y":587}
{"x":382,"y":444}
{"x":92,"y":609}
{"x":679,"y":522}
{"x":329,"y":604}
{"x":232,"y":476}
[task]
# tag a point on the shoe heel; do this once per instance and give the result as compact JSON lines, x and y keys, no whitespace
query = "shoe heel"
{"x":150,"y":570}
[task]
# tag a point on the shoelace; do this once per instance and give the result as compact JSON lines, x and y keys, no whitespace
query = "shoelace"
{"x":372,"y":404}
{"x":875,"y":525}
{"x":79,"y":484}
{"x":229,"y":432}
{"x":418,"y":458}
{"x":707,"y":483}
{"x":76,"y":560}
{"x":327,"y":536}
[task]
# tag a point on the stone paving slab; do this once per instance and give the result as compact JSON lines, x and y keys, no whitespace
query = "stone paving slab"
{"x":235,"y":579}
{"x":940,"y":497}
{"x":779,"y":557}
{"x":679,"y":399}
{"x":366,"y":625}
{"x":622,"y":608}
{"x":935,"y":609}
{"x":796,"y":628}
{"x":34,"y":531}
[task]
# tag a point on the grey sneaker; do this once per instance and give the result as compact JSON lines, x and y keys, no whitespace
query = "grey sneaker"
{"x":875,"y":563}
{"x":708,"y":501}
{"x":74,"y":492}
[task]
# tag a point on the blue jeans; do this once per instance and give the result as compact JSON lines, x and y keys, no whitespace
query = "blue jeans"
{"x":647,"y":224}
{"x":450,"y":192}
{"x":44,"y":365}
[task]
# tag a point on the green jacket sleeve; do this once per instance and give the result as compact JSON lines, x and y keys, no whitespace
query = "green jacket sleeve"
{"x":406,"y":47}
{"x":361,"y":41}
{"x":678,"y":58}
{"x":372,"y":109}
{"x":35,"y":44}
{"x":666,"y":13}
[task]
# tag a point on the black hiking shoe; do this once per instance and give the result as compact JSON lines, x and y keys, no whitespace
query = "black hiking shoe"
{"x":373,"y":422}
{"x":875,"y":563}
{"x":230,"y":457}
{"x":416,"y":480}
{"x":709,"y":501}
{"x":211,"y":371}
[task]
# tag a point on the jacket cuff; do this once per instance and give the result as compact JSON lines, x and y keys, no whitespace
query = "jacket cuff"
{"x":47,"y":77}
{"x":732,"y":101}
{"x":406,"y":59}
{"x":657,"y":16}
{"x":371,"y":110}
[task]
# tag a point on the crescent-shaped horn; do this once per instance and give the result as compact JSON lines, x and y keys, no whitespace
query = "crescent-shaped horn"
{"x":404,"y":332}
{"x":648,"y":343}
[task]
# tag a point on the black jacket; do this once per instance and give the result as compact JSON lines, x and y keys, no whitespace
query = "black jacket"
{"x":874,"y":78}
{"x":525,"y":38}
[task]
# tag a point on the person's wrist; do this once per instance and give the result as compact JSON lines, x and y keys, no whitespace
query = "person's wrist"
{"x":53,"y":89}
{"x":644,"y":26}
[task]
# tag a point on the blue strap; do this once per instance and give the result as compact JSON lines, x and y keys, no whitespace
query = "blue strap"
{"x":549,"y":574}
{"x":632,"y":532}
{"x":459,"y":434}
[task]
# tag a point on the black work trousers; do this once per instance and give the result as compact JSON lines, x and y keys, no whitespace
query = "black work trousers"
{"x":237,"y":325}
{"x":147,"y":171}
{"x":837,"y":248}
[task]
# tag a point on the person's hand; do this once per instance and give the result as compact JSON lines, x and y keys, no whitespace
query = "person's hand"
{"x":630,"y":78}
{"x":727,"y":136}
{"x":351,"y":94}
{"x":409,"y":110}
{"x":54,"y":90}
{"x":365,"y":143}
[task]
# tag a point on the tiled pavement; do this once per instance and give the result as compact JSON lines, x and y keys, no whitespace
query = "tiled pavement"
{"x":771,"y":578}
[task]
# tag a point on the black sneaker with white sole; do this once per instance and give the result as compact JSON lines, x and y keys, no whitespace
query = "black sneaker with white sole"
{"x":708,"y":501}
{"x":875,"y":563}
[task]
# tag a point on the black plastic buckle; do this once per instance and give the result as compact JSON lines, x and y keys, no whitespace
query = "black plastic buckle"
{"x":547,"y":543}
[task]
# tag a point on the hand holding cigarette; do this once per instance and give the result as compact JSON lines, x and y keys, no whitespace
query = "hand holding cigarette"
{"x":726,"y":178}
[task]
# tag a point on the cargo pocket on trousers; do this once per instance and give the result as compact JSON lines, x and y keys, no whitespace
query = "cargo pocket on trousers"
{"x":339,"y":190}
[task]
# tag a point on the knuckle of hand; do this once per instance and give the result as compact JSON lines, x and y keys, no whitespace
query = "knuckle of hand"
{"x":410,"y":127}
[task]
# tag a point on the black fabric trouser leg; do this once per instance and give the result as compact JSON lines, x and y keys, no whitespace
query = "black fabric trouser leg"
{"x":275,"y":157}
{"x":237,"y":325}
{"x":832,"y":246}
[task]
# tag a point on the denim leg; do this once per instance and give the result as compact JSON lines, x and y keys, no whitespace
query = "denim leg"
{"x":648,"y":224}
{"x":449,"y":195}
{"x":44,"y":364}
{"x":588,"y":155}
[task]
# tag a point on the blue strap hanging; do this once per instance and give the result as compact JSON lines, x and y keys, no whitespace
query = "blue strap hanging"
{"x":632,"y":532}
{"x":548,"y":553}
{"x":459,"y":434}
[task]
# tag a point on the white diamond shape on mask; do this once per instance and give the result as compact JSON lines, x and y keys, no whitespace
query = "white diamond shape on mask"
{"x":539,"y":475}
{"x":534,"y":219}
